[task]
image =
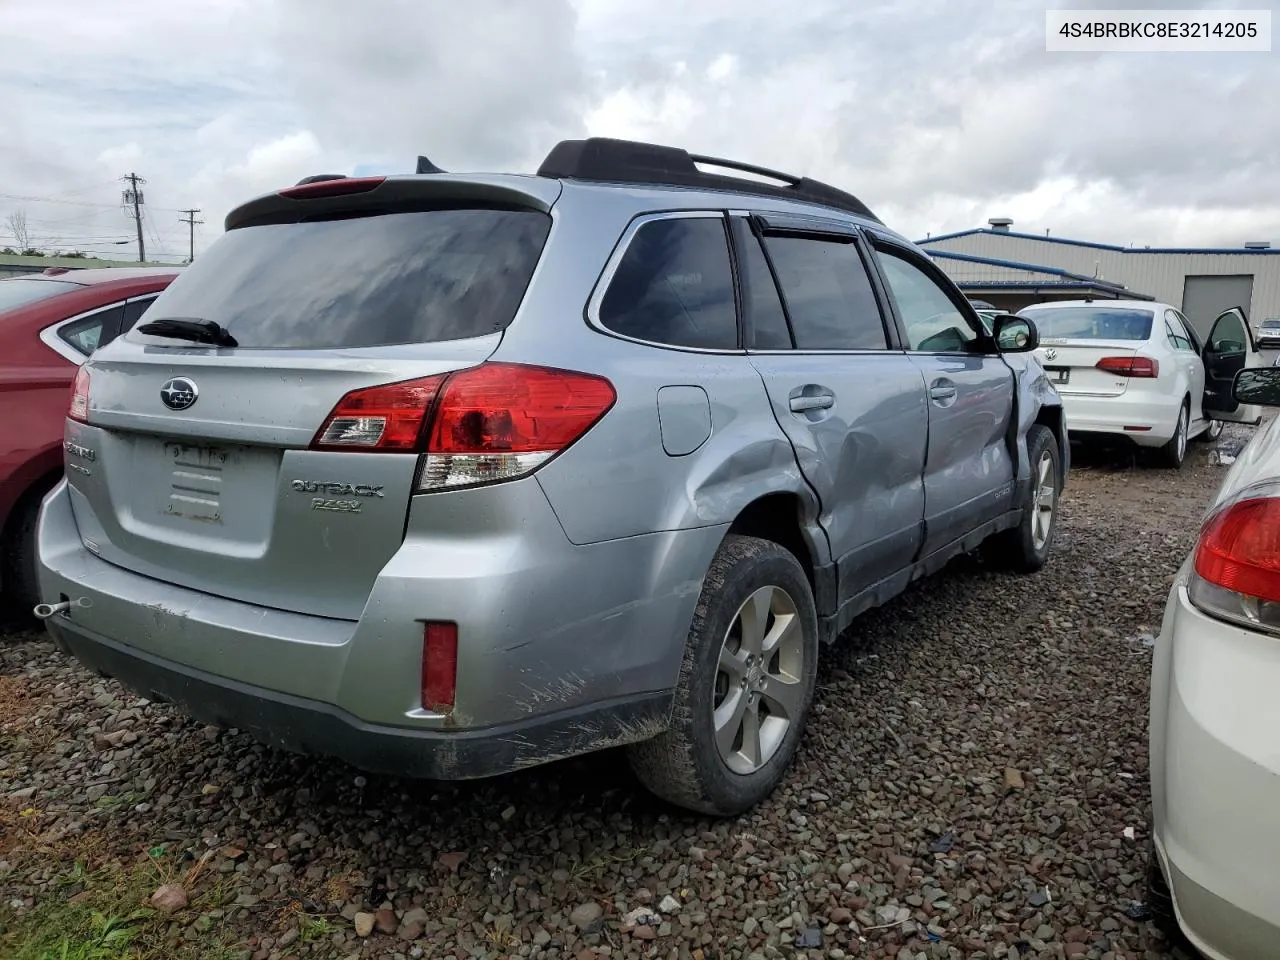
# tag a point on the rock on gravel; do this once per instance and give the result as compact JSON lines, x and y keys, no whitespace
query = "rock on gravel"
{"x":584,"y":915}
{"x":899,"y":832}
{"x":170,"y":898}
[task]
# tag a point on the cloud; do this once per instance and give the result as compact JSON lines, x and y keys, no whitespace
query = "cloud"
{"x":490,"y":81}
{"x":937,"y":115}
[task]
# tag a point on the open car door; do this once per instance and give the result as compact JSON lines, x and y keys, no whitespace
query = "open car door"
{"x":1229,"y":349}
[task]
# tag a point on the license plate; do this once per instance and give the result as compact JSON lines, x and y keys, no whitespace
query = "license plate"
{"x":1058,"y":374}
{"x":195,"y":484}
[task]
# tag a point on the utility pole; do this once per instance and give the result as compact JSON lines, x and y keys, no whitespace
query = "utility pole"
{"x":191,"y":221}
{"x":133,"y":196}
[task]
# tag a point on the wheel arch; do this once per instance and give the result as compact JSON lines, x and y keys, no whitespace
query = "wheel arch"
{"x":790,"y":521}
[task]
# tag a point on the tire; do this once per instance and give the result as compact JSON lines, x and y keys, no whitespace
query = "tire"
{"x":1160,"y":901}
{"x":688,"y":764}
{"x":21,"y":589}
{"x":1026,"y":547}
{"x":1212,"y":434}
{"x":1174,"y":453}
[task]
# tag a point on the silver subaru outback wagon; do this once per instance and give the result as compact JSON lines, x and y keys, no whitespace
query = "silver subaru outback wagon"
{"x":448,"y":476}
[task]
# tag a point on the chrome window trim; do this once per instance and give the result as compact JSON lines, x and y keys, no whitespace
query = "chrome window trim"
{"x":615,"y":260}
{"x":52,"y":337}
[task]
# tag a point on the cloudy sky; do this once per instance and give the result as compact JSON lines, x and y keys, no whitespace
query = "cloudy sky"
{"x":938,"y":114}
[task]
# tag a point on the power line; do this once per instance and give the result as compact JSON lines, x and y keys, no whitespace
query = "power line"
{"x":134,"y":196}
{"x":78,"y":203}
{"x":191,"y":221}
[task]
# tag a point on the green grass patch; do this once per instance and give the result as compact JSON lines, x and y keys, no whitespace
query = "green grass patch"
{"x":102,"y":914}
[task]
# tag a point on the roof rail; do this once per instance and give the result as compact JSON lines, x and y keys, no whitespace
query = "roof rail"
{"x":629,"y":161}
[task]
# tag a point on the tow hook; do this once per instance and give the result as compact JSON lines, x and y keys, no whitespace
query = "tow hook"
{"x":44,"y":611}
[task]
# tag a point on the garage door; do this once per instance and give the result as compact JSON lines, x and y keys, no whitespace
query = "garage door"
{"x":1203,"y":298}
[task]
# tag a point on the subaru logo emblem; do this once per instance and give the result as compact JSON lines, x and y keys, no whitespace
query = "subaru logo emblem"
{"x":1050,"y":354}
{"x":179,"y":393}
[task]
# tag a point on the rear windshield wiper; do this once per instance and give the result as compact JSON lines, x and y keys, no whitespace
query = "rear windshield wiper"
{"x":198,"y":331}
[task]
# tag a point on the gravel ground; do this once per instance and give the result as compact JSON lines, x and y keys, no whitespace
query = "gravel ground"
{"x":977,"y":755}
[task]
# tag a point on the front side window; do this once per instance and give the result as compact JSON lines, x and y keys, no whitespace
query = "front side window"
{"x":1228,"y":334}
{"x":828,"y":294}
{"x":674,"y":286}
{"x":933,"y":323}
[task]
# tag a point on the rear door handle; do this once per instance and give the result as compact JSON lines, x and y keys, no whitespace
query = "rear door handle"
{"x":942,"y":392}
{"x":821,"y":402}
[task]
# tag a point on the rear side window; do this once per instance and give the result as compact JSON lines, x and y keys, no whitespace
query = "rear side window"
{"x":764,"y":321}
{"x":20,"y":291}
{"x":828,"y":294}
{"x":1091,"y":323}
{"x":96,"y":330}
{"x":674,"y":286}
{"x":133,"y":310}
{"x":397,"y":278}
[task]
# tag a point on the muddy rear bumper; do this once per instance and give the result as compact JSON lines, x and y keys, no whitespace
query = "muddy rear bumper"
{"x":307,"y":726}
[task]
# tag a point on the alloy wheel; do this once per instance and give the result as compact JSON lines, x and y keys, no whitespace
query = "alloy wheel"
{"x":1044,"y":497}
{"x":758,"y":691}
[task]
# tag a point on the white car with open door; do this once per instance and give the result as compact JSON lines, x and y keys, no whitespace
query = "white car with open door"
{"x":1215,"y":766}
{"x":1138,"y":369}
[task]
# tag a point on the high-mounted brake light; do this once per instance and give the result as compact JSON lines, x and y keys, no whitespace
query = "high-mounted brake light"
{"x":332,"y":188}
{"x":1237,"y":561}
{"x":78,"y":409}
{"x":494,"y":422}
{"x":1130,"y":366}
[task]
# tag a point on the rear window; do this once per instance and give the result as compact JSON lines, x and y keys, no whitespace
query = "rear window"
{"x":1091,"y":323}
{"x":20,"y":291}
{"x":398,"y":278}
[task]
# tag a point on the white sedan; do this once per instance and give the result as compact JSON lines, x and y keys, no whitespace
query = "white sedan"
{"x":1137,"y":369}
{"x":1215,"y":713}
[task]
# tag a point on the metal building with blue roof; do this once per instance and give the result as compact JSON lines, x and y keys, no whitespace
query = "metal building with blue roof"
{"x":1012,"y":269}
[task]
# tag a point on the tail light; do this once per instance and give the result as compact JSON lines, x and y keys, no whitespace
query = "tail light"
{"x":385,"y":418}
{"x":1130,"y":366}
{"x":439,"y":665}
{"x":494,"y":422}
{"x":79,"y":406}
{"x":1237,"y":560}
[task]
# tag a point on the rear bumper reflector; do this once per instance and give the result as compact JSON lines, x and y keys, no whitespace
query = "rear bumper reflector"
{"x":439,"y":666}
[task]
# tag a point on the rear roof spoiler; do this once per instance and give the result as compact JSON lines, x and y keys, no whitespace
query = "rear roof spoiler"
{"x":397,"y":193}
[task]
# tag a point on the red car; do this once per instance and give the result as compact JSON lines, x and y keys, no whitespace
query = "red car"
{"x":49,"y":323}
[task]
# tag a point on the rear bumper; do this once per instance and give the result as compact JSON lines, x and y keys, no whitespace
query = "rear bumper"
{"x":551,"y":636}
{"x":1147,"y":419}
{"x":310,"y":727}
{"x":1215,"y":780}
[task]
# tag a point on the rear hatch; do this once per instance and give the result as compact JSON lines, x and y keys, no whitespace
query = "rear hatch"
{"x":1092,"y":349}
{"x":220,"y":468}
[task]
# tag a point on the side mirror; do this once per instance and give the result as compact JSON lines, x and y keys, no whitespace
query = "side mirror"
{"x":1260,"y":385}
{"x":1015,"y":334}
